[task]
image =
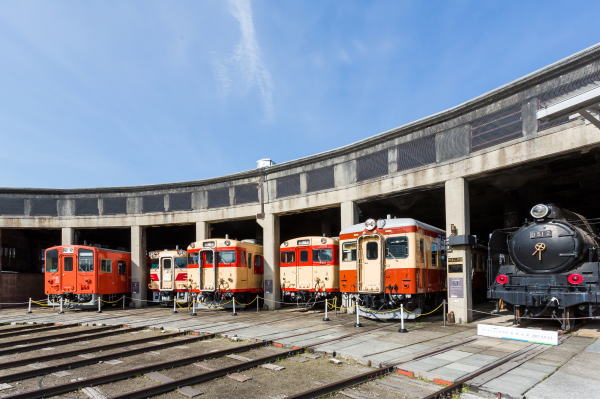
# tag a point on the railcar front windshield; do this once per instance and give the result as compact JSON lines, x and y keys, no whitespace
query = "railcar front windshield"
{"x":396,"y":247}
{"x":180,"y":262}
{"x":322,"y":255}
{"x":287,"y":257}
{"x":52,"y":261}
{"x":86,"y":260}
{"x":349,"y":251}
{"x":192,"y":258}
{"x":226,"y":257}
{"x":154,"y":264}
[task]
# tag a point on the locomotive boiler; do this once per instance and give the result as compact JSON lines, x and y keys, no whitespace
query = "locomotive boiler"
{"x":548,"y":267}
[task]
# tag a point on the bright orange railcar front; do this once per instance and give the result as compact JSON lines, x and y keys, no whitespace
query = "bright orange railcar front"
{"x":221,"y":269}
{"x":389,"y":262}
{"x":81,"y":274}
{"x":309,"y":268}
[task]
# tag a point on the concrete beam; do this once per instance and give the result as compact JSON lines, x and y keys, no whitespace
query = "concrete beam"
{"x":271,"y":242}
{"x":139,"y":268}
{"x":67,"y":236}
{"x":460,"y":295}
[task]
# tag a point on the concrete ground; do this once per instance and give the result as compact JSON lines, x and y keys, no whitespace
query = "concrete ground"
{"x":567,"y":370}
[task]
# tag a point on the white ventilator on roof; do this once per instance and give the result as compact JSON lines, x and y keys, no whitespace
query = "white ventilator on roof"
{"x":264,"y":163}
{"x":392,"y":223}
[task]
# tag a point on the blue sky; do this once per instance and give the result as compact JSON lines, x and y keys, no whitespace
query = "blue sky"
{"x":110,"y":93}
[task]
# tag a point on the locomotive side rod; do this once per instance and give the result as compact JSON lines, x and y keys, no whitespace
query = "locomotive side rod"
{"x":46,"y":338}
{"x":85,"y":362}
{"x":115,"y":331}
{"x":121,"y":375}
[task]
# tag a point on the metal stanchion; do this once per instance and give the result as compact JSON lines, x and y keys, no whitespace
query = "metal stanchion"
{"x":99,"y":305}
{"x":444,"y":303}
{"x":234,"y":312}
{"x":29,"y":307}
{"x":174,"y":303}
{"x":402,"y":329}
{"x":335,"y":307}
{"x":123,"y":302}
{"x":357,"y":324}
{"x":61,"y":311}
{"x":326,"y":306}
{"x":194,"y":307}
{"x":257,"y":304}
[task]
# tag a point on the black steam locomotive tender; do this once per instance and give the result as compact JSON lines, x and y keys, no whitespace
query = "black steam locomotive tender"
{"x":547,"y":268}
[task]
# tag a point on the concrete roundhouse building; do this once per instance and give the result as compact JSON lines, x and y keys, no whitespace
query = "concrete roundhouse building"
{"x":470,"y":169}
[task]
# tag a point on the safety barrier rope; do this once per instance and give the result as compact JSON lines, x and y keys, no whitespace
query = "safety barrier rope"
{"x":398,"y":309}
{"x":117,"y":301}
{"x":246,"y":304}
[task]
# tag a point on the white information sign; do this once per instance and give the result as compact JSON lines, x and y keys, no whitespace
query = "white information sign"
{"x":519,"y":334}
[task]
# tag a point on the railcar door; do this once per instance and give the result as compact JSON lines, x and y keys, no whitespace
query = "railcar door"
{"x":208,"y":269}
{"x":370,"y":265}
{"x":304,"y":276}
{"x":68,"y":274}
{"x":166,"y":273}
{"x":289,"y":269}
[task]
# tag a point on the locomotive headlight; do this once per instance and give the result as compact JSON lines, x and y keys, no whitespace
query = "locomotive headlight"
{"x":540,"y":211}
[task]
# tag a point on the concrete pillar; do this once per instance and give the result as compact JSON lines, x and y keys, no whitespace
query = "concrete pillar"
{"x":139,"y":268}
{"x":349,"y":214}
{"x":458,"y":222}
{"x":1,"y":250}
{"x":271,"y":242}
{"x":67,"y":236}
{"x":202,"y":231}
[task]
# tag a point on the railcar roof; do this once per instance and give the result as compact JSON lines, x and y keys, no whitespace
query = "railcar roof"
{"x":394,"y":222}
{"x":219,"y":242}
{"x":89,"y":246}
{"x":314,"y":240}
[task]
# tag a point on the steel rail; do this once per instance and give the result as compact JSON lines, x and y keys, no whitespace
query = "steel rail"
{"x":85,"y":362}
{"x":121,"y":375}
{"x":115,"y":331}
{"x":19,"y":327}
{"x":55,"y":336}
{"x":36,"y":330}
{"x":204,"y":377}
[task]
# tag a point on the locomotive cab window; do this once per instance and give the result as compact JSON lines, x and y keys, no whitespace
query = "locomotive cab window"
{"x":288,"y":257}
{"x":322,"y":255}
{"x":106,"y":266}
{"x":180,"y":262}
{"x":372,"y":250}
{"x":68,"y":263}
{"x":226,"y":257}
{"x":192,"y":258}
{"x":349,"y":251}
{"x":86,"y":260}
{"x":51,"y":260}
{"x":303,"y":256}
{"x":396,"y":247}
{"x":122,"y":267}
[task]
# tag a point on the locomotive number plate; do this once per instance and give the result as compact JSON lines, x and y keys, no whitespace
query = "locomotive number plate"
{"x":540,"y":234}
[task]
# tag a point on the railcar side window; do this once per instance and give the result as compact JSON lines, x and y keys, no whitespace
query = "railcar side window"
{"x":180,"y":262}
{"x":193,"y":258}
{"x":122,"y":267}
{"x":434,"y":254}
{"x":106,"y":266}
{"x":372,"y":250}
{"x":349,"y":251}
{"x":422,"y":250}
{"x":68,"y":264}
{"x":303,"y":256}
{"x":322,"y":255}
{"x":226,"y":257}
{"x":51,"y":260}
{"x":396,"y":247}
{"x":243,"y":257}
{"x":86,"y":260}
{"x":249,"y":261}
{"x":288,"y":257}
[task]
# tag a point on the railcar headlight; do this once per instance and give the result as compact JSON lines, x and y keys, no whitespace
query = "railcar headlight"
{"x":540,"y":211}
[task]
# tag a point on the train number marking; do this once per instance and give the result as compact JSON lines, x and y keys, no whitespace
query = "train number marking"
{"x":540,"y":234}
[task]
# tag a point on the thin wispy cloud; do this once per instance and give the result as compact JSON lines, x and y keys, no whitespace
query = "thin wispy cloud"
{"x":246,"y":59}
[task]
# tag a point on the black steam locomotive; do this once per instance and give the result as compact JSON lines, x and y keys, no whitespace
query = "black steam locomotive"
{"x":548,"y":267}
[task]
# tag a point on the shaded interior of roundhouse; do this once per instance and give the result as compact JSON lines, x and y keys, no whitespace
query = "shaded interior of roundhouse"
{"x":323,"y":222}
{"x":22,"y":262}
{"x":170,"y":237}
{"x":110,"y":238}
{"x":246,"y":229}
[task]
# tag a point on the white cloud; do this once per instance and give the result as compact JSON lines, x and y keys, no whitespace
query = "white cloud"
{"x":247,"y":59}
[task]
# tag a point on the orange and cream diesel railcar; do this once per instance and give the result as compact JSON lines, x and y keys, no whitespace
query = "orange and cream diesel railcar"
{"x":309,"y":268}
{"x":389,"y":262}
{"x":81,"y":275}
{"x":168,"y":276}
{"x":220,"y":269}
